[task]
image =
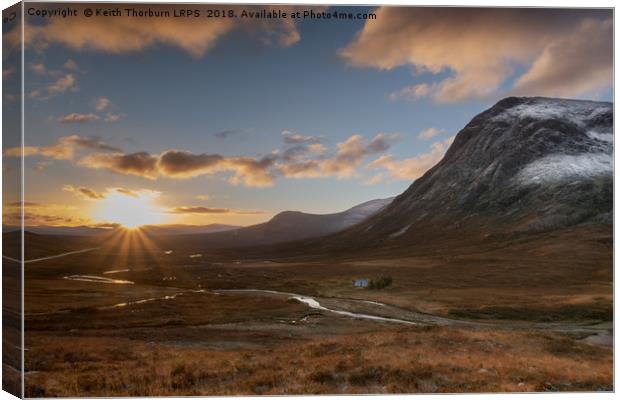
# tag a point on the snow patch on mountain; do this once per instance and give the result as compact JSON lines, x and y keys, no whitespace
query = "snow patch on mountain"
{"x":577,"y":112}
{"x":559,"y":167}
{"x":601,"y":136}
{"x":360,"y":212}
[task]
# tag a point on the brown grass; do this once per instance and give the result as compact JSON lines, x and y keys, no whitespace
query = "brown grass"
{"x":392,"y":361}
{"x":208,"y":344}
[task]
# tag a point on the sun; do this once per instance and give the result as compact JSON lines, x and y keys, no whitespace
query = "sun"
{"x":130,"y":210}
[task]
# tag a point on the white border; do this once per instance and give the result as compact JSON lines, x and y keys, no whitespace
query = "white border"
{"x":479,"y":3}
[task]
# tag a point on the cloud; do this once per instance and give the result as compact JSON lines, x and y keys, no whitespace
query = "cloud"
{"x":251,"y":172}
{"x":206,"y":210}
{"x":414,"y":92}
{"x":295,"y":138}
{"x":248,"y":171}
{"x":181,"y":164}
{"x":294,"y":153}
{"x":304,"y":160}
{"x":61,"y":85}
{"x":25,"y":203}
{"x":80,"y":118}
{"x":91,"y":194}
{"x":228,"y":132}
{"x":578,"y":64}
{"x":64,"y":148}
{"x":102,"y":103}
{"x":126,"y":192}
{"x":184,"y":164}
{"x":343,"y":164}
{"x":41,"y":165}
{"x":429,"y":133}
{"x":42,"y":70}
{"x":42,"y":214}
{"x":38,"y":69}
{"x":141,"y":164}
{"x":111,"y":117}
{"x":204,"y":197}
{"x":132,"y":34}
{"x":316,"y":148}
{"x":71,"y":65}
{"x":302,"y":169}
{"x":483,"y":48}
{"x":409,"y":168}
{"x":84,"y":192}
{"x":352,"y":151}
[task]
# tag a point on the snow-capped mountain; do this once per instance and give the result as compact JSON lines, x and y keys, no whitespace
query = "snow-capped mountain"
{"x":524,"y":165}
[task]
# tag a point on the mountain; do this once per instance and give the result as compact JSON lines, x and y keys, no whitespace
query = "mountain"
{"x":60,"y":230}
{"x":178,"y":229}
{"x":525,"y":165}
{"x":290,"y":226}
{"x":169,"y":229}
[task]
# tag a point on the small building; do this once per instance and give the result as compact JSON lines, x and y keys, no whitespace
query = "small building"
{"x":362,"y":283}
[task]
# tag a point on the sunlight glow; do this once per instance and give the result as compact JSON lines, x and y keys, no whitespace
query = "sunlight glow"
{"x":131,"y":211}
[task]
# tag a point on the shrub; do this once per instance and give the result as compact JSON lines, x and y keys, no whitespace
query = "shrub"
{"x":380,"y":282}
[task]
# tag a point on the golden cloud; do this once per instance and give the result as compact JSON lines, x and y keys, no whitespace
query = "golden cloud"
{"x":409,"y":168}
{"x":180,"y":164}
{"x":195,"y":36}
{"x":61,"y":85}
{"x":305,"y":160}
{"x":78,"y":118}
{"x":64,"y":148}
{"x":429,"y":133}
{"x":84,"y":192}
{"x":565,"y":51}
{"x":349,"y":156}
{"x":42,"y":214}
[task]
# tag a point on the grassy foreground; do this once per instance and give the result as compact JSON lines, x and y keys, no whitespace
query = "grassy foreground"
{"x":413,"y":360}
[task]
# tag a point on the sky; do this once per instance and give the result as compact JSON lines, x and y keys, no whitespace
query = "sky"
{"x":137,"y":120}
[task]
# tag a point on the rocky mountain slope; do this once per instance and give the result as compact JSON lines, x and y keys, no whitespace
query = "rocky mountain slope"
{"x":524,"y":165}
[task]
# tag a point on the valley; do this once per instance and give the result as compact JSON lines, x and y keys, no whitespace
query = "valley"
{"x":211,"y":325}
{"x":477,"y":278}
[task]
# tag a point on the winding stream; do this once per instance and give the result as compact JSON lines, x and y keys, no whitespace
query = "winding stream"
{"x":313,"y":303}
{"x":602,"y":330}
{"x":97,"y":279}
{"x":417,"y":318}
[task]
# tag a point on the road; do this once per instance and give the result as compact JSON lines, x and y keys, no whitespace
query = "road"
{"x":51,"y":257}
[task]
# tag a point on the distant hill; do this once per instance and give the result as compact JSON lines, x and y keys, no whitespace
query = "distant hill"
{"x":37,"y":245}
{"x":171,"y":229}
{"x":179,"y":229}
{"x":291,"y":225}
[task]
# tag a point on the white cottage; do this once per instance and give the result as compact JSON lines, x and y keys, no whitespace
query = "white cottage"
{"x":362,"y":283}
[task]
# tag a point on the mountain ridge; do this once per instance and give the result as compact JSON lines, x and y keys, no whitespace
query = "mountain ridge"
{"x":524,"y":165}
{"x":291,"y":226}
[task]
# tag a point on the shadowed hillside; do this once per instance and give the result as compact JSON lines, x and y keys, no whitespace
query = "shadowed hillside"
{"x":525,"y":166}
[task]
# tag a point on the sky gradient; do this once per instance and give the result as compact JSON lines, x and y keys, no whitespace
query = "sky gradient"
{"x":232,"y":121}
